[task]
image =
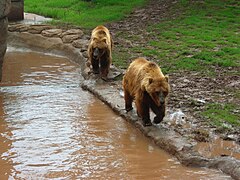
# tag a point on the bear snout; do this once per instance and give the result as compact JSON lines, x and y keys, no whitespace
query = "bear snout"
{"x":95,"y":53}
{"x":161,"y":98}
{"x":162,"y":102}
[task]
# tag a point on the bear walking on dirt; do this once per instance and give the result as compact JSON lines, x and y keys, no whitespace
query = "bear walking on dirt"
{"x":145,"y":83}
{"x":100,"y":51}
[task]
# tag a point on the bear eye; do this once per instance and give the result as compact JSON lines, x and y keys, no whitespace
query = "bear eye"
{"x":165,"y":93}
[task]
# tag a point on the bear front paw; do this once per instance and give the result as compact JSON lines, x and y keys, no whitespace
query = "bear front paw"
{"x":158,"y":119}
{"x":96,"y":71}
{"x":147,"y":122}
{"x":129,"y":109}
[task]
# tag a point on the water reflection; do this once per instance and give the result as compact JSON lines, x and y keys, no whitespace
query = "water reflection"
{"x":50,"y":128}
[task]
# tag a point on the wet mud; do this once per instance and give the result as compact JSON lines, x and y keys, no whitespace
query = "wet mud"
{"x":51,"y":128}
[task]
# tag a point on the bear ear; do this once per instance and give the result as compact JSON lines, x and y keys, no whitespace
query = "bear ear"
{"x":167,"y":78}
{"x":150,"y":80}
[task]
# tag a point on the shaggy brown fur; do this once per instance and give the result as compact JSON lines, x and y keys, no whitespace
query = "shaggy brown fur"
{"x":100,"y":51}
{"x":145,"y":83}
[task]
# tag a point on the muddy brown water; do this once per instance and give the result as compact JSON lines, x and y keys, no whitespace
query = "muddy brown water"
{"x":51,"y":129}
{"x":219,"y":147}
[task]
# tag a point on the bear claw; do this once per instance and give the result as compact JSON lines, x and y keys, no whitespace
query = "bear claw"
{"x":129,"y":109}
{"x":147,"y":124}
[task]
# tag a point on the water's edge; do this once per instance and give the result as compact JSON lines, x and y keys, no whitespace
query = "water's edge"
{"x":166,"y":139}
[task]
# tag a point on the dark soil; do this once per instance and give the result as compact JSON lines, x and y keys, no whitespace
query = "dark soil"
{"x":190,"y":91}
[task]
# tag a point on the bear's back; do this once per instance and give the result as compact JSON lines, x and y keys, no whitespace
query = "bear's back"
{"x":143,"y":68}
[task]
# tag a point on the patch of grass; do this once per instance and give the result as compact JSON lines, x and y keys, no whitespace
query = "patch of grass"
{"x":121,"y":59}
{"x":220,"y":114}
{"x":206,"y":35}
{"x":82,"y":13}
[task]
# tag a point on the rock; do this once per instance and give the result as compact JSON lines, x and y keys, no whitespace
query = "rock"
{"x":70,"y":38}
{"x":73,"y":32}
{"x":52,"y":32}
{"x":177,"y":118}
{"x":230,"y":137}
{"x":186,"y":81}
{"x":37,"y":28}
{"x":4,"y":10}
{"x":70,"y":35}
{"x":5,"y":6}
{"x":17,"y":10}
{"x":18,"y":28}
{"x":82,"y":44}
{"x":85,"y":54}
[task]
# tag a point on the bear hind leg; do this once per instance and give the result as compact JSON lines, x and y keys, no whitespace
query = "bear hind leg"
{"x":128,"y":101}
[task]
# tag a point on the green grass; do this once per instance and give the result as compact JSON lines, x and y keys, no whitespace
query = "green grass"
{"x":222,"y":114}
{"x":82,"y":13}
{"x":122,"y":61}
{"x":206,"y":34}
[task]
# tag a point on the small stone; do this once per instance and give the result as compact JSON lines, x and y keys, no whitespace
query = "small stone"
{"x":85,"y":54}
{"x":186,"y":81}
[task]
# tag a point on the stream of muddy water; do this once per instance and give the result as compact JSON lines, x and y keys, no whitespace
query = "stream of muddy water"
{"x":51,"y":129}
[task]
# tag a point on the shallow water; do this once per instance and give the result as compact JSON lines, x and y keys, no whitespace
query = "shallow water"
{"x":219,"y":147}
{"x":51,"y":129}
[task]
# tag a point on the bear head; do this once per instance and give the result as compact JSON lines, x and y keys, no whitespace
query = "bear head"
{"x":157,"y":88}
{"x":99,"y":47}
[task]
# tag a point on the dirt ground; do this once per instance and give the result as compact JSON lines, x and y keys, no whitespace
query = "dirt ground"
{"x":190,"y":91}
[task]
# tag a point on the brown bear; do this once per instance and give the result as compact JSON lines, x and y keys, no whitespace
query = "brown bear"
{"x":100,"y":51}
{"x":145,"y":83}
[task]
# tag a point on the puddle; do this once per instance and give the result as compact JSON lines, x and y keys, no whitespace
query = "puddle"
{"x":51,"y":129}
{"x":218,"y":148}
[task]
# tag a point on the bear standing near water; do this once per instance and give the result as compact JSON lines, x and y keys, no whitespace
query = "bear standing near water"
{"x":100,"y":51}
{"x":145,"y":83}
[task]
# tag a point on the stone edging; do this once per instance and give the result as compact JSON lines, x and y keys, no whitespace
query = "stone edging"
{"x":74,"y":37}
{"x":47,"y":39}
